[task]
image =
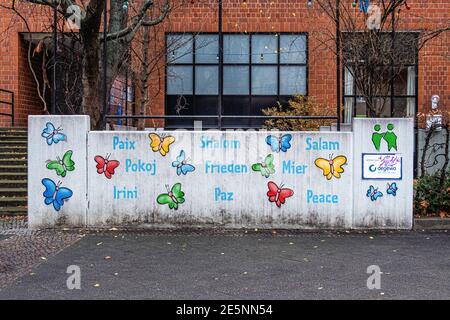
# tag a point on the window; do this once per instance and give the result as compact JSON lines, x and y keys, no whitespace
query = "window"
{"x":258,"y":71}
{"x":374,"y":83}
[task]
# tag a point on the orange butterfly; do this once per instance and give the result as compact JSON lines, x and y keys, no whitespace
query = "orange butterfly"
{"x":331,"y":167}
{"x":161,"y":144}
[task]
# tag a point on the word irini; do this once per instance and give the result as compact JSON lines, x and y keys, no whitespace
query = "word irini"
{"x":212,"y":143}
{"x":321,"y":144}
{"x":225,"y":168}
{"x":119,"y":144}
{"x":125,"y":193}
{"x":311,"y":197}
{"x":140,"y":166}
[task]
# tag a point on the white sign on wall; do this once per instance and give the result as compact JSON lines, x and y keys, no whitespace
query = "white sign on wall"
{"x":382,"y":166}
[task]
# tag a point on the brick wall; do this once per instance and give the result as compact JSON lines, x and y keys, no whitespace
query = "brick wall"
{"x":254,"y":16}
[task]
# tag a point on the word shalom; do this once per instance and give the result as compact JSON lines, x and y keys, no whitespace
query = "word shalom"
{"x":382,"y":166}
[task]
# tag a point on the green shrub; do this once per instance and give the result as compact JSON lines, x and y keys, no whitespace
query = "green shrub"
{"x":429,"y":197}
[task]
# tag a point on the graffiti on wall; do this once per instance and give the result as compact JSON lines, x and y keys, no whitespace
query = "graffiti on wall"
{"x":62,"y":166}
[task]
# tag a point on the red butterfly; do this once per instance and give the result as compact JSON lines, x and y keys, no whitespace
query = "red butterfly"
{"x":106,"y":166}
{"x":278,"y":195}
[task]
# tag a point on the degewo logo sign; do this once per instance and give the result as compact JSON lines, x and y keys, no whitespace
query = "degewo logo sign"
{"x":382,"y":166}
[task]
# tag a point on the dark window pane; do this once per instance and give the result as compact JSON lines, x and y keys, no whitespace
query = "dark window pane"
{"x":236,"y":48}
{"x":179,"y":80}
{"x":206,"y":80}
{"x":206,"y":48}
{"x":264,"y":49}
{"x":206,"y":105}
{"x":236,"y":80}
{"x":179,"y":105}
{"x":292,"y":48}
{"x":292,"y":80}
{"x":259,"y":103}
{"x":264,"y":80}
{"x":236,"y":105}
{"x":400,"y":107}
{"x":179,"y":48}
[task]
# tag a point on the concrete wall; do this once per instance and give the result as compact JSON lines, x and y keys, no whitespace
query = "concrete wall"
{"x":224,"y":189}
{"x":233,"y":199}
{"x":386,"y":211}
{"x":73,"y":210}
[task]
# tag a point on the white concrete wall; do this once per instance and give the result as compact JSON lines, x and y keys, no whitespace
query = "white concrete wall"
{"x":250,"y":206}
{"x":388,"y":211}
{"x":143,"y":174}
{"x":73,"y":211}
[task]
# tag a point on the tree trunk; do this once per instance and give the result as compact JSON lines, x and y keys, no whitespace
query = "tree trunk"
{"x":144,"y":76}
{"x":92,"y":90}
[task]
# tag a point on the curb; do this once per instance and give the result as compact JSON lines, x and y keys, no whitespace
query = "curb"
{"x":432,"y":224}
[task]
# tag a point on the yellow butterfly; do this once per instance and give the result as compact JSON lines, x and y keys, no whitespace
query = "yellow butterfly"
{"x":331,"y":167}
{"x":161,"y":144}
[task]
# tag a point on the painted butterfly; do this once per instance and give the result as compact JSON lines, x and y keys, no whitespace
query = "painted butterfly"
{"x":278,"y":194}
{"x":279,"y":143}
{"x":106,"y":166}
{"x":55,"y":194}
{"x":62,"y":166}
{"x":392,"y":189}
{"x":266,"y":167}
{"x":182,"y":166}
{"x":53,"y":135}
{"x":173,"y":197}
{"x":331,"y":167}
{"x":161,"y":144}
{"x":373,"y":193}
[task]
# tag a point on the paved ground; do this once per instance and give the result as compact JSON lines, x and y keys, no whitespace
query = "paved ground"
{"x":155,"y":265}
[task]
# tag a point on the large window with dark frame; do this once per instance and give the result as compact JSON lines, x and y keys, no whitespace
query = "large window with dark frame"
{"x":258,"y":71}
{"x":391,"y":87}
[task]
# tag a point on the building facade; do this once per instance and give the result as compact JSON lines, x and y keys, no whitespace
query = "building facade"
{"x":272,"y":50}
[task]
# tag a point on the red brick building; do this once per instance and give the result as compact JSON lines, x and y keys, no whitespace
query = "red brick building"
{"x":272,"y":49}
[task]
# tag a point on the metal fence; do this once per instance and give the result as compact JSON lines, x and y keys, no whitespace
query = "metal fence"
{"x":8,"y":101}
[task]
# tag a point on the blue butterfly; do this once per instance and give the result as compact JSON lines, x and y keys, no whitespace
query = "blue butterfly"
{"x":363,"y":5}
{"x":392,"y":189}
{"x":373,"y":193}
{"x":279,"y":143}
{"x":53,"y":135}
{"x":181,"y":165}
{"x":55,"y":194}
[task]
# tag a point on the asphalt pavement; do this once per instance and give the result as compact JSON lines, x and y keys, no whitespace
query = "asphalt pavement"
{"x":239,"y":265}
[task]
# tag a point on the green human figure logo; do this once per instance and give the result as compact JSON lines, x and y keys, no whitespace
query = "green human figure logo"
{"x":389,"y":136}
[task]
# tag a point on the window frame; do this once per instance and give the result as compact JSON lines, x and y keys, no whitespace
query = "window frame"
{"x":278,"y":64}
{"x":391,"y":96}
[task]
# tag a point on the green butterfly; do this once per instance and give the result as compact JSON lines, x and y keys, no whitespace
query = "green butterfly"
{"x":173,"y":198}
{"x":62,"y":166}
{"x":266,"y":167}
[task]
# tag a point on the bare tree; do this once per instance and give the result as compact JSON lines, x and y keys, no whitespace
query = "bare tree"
{"x":125,"y":19}
{"x":374,"y":49}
